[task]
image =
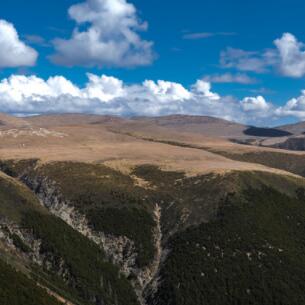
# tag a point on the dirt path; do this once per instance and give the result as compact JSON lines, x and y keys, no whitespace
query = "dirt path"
{"x":55,"y":295}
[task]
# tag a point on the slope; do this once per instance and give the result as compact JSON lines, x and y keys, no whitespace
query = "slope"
{"x":53,"y":254}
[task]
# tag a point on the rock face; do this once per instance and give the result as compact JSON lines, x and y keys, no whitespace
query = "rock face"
{"x":120,"y":250}
{"x":152,"y":285}
{"x":23,"y":243}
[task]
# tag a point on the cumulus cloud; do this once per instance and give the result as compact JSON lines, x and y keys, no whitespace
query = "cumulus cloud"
{"x":258,"y":110}
{"x":203,"y":89}
{"x":107,"y":34}
{"x":288,"y":57}
{"x":238,"y":78}
{"x":255,"y":104}
{"x":294,"y":107}
{"x":167,"y":91}
{"x":104,"y":88}
{"x":24,"y":95}
{"x":14,"y":52}
{"x":292,"y":55}
{"x":21,"y":94}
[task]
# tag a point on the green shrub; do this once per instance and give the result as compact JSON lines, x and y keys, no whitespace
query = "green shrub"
{"x":18,"y":243}
{"x":90,"y":278}
{"x":109,"y":199}
{"x":252,"y":253}
{"x":17,"y":289}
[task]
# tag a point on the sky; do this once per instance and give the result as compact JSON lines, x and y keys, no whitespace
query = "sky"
{"x":238,"y":60}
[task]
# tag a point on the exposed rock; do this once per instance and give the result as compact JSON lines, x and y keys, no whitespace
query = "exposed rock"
{"x":120,"y":250}
{"x":32,"y":132}
{"x":45,"y":260}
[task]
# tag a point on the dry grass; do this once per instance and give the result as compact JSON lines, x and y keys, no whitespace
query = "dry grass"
{"x":89,"y":140}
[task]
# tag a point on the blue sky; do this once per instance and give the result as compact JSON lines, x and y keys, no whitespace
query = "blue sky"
{"x":187,"y":40}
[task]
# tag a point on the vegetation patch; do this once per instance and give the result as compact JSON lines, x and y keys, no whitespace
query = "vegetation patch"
{"x":251,"y":253}
{"x":133,"y":223}
{"x":18,"y":243}
{"x":110,"y":200}
{"x":17,"y":289}
{"x":16,"y":198}
{"x":75,"y":264}
{"x":16,"y":168}
{"x":233,"y":239}
{"x":90,"y":277}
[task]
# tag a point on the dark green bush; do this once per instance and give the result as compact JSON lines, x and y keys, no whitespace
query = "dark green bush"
{"x":17,"y":289}
{"x":90,"y":278}
{"x":252,"y":254}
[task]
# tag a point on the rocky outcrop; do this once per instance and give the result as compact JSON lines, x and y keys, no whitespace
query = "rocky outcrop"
{"x":151,"y":288}
{"x":120,"y":250}
{"x":22,"y":242}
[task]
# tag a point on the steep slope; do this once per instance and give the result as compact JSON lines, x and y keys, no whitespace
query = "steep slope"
{"x":229,"y":238}
{"x":247,"y":248}
{"x":55,"y":255}
{"x":16,"y":289}
{"x":103,"y":205}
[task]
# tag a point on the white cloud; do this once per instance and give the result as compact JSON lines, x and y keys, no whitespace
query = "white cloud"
{"x":21,"y":94}
{"x":167,"y":91}
{"x":59,"y":85}
{"x":255,"y":104}
{"x":243,"y":60}
{"x":19,"y":88}
{"x":106,"y":35}
{"x":104,"y":88}
{"x":288,"y":57}
{"x":14,"y":52}
{"x":258,"y":111}
{"x":294,"y":107}
{"x":203,"y":89}
{"x":292,"y":55}
{"x":230,"y":78}
{"x":108,"y":95}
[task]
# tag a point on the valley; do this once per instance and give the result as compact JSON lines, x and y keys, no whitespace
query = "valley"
{"x":99,"y":210}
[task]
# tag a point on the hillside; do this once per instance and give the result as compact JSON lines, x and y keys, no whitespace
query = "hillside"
{"x":296,"y":129}
{"x":101,"y":210}
{"x":207,"y":126}
{"x":188,"y":207}
{"x":53,"y":254}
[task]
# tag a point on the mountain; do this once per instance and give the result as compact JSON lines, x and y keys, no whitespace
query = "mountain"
{"x":150,"y":211}
{"x":207,"y":126}
{"x":289,"y":137}
{"x":296,"y":129}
